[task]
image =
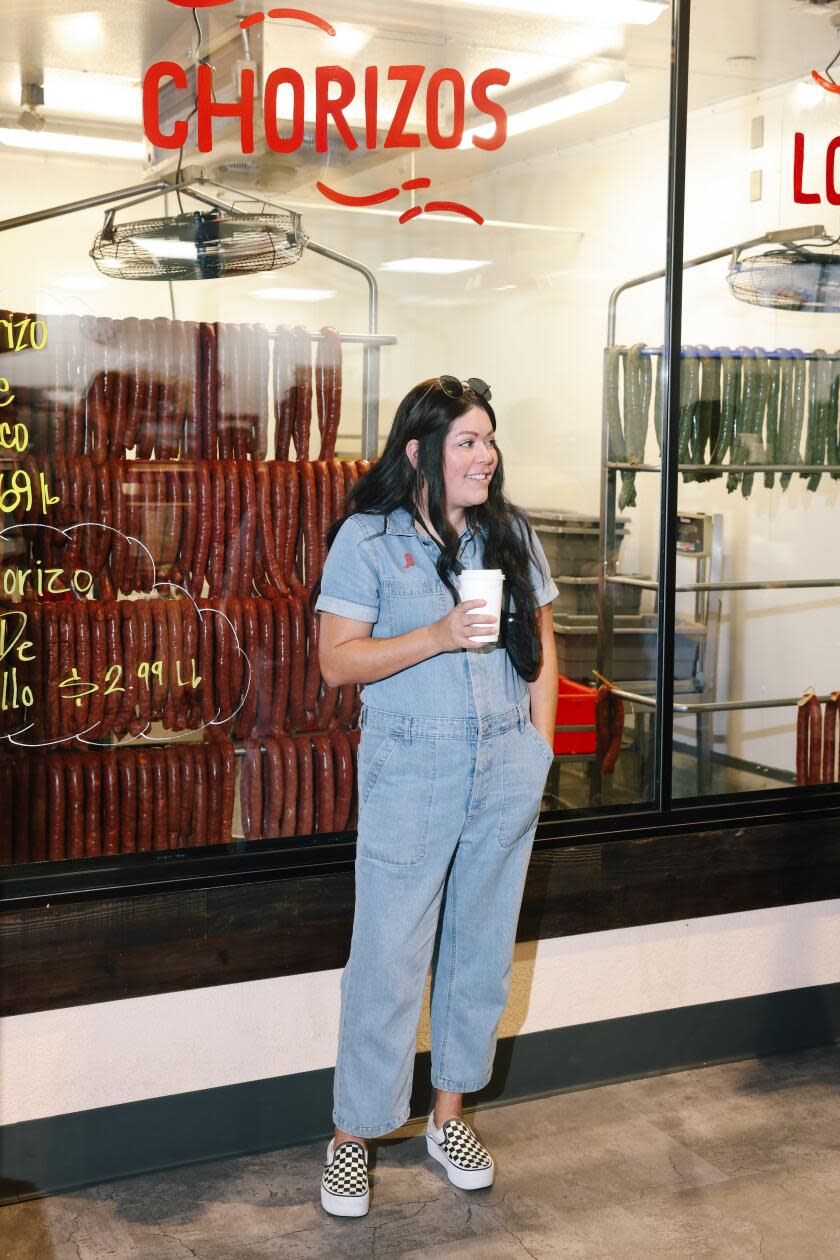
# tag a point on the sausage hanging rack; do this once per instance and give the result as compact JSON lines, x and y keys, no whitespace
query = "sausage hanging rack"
{"x":610,"y":469}
{"x":372,"y":340}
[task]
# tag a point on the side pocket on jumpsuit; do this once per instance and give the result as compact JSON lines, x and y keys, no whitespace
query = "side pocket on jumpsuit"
{"x":395,"y":798}
{"x":526,"y":761}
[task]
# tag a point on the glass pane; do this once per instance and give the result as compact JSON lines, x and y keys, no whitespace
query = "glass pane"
{"x":759,"y":390}
{"x":194,"y":406}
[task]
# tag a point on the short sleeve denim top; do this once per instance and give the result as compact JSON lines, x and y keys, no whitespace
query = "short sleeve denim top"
{"x":381,"y":569}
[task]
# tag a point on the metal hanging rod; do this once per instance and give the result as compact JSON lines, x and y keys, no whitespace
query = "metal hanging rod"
{"x":648,"y":584}
{"x":693,"y":352}
{"x":727,"y":468}
{"x":714,"y":706}
{"x":361,"y":339}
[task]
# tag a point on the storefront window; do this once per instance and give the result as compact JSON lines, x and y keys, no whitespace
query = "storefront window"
{"x":757,"y":572}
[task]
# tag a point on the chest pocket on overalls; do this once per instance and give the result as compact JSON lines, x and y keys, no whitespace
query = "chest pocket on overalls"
{"x":414,"y":602}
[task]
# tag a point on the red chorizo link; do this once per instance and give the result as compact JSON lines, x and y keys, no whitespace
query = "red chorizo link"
{"x":253,"y":760}
{"x":172,"y":766}
{"x":271,"y":522}
{"x":215,"y":576}
{"x":336,"y":496}
{"x":66,"y":668}
{"x":166,"y":367}
{"x":228,"y":789}
{"x":186,"y":546}
{"x":232,"y":528}
{"x":246,"y":718}
{"x":814,"y":740}
{"x":330,"y":352}
{"x":272,"y":788}
{"x":241,"y":368}
{"x":130,"y":656}
{"x":233,"y":609}
{"x":214,"y":793}
{"x":202,"y":529}
{"x":189,"y":662}
{"x":99,"y":664}
{"x":174,"y":521}
{"x":160,"y":810}
{"x":829,"y":763}
{"x":346,"y":704}
{"x":348,"y":469}
{"x":248,"y":496}
{"x":325,"y":797}
{"x":160,"y":658}
{"x":206,"y":658}
{"x":200,"y":832}
{"x":265,"y":666}
{"x":74,"y":805}
{"x":323,"y":502}
{"x":145,"y":656}
{"x":56,"y":834}
{"x":147,"y":403}
{"x":209,"y":390}
{"x":76,"y":405}
{"x":305,"y":811}
{"x":92,"y":769}
{"x":110,"y":803}
{"x":321,"y":395}
{"x":176,"y":652}
{"x":282,"y":664}
{"x":88,"y":556}
{"x":303,"y":391}
{"x":225,"y":374}
{"x":261,"y":375}
{"x":288,"y":825}
{"x":148,"y":531}
{"x":343,"y":778}
{"x":83,"y":661}
{"x":312,"y":675}
{"x":292,"y":521}
{"x":185,"y":795}
{"x":309,"y":524}
{"x":127,"y":763}
{"x":105,"y":536}
{"x":297,"y":646}
{"x":327,"y":702}
{"x":192,"y":369}
{"x":284,"y":390}
{"x":145,"y":805}
{"x":222,"y":660}
{"x":119,"y":421}
{"x":114,"y":673}
{"x":131,"y":339}
{"x":118,"y":521}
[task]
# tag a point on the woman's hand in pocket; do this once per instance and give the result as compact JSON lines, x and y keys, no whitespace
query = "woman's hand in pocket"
{"x":453,"y":631}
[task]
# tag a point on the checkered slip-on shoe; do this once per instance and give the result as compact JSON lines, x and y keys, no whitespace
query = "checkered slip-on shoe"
{"x":344,"y":1185}
{"x":468,"y":1164}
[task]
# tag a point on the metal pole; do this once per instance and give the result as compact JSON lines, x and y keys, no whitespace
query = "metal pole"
{"x":87,"y":203}
{"x":666,"y":608}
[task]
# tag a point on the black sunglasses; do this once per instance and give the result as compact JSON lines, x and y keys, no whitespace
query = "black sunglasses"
{"x":453,"y":388}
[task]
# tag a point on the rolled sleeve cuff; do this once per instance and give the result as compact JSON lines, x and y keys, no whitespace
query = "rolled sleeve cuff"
{"x":345,"y":608}
{"x":546,"y":593}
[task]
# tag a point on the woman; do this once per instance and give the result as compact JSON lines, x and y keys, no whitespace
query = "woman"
{"x":451,"y":773}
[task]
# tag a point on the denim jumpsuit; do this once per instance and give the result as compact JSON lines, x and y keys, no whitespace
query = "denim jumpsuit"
{"x":451,"y":773}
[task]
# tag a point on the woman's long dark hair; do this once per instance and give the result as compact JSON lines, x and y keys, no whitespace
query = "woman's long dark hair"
{"x":427,"y":413}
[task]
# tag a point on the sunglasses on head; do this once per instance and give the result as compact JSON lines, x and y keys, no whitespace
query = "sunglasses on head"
{"x":453,"y":388}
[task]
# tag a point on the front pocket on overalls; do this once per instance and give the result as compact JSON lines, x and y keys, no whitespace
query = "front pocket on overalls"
{"x":375,"y":747}
{"x":409,"y":603}
{"x":393,"y":824}
{"x":526,"y":759}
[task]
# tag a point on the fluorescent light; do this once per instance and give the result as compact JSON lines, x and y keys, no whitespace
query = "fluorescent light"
{"x":111,"y":96}
{"x":79,"y":29}
{"x":435,"y":266}
{"x":64,"y":142}
{"x":553,"y":111}
{"x":77,"y":283}
{"x":589,"y":12}
{"x":292,"y":295}
{"x":348,"y":39}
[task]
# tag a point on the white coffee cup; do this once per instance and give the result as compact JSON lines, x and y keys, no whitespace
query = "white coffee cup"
{"x":483,"y":584}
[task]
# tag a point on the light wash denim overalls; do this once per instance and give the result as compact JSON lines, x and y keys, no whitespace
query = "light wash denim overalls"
{"x":451,"y":774}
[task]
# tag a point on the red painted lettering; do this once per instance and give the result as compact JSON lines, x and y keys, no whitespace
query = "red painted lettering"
{"x":371,"y":105}
{"x":208,"y":109}
{"x":327,"y":107}
{"x":482,"y":102}
{"x":800,"y":197}
{"x":831,"y":192}
{"x":397,"y":137}
{"x":276,"y":142}
{"x":436,"y":137}
{"x":151,"y":104}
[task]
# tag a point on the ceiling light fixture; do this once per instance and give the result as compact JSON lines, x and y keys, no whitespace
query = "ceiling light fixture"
{"x":434,"y":266}
{"x":65,"y":142}
{"x":279,"y":294}
{"x":554,"y":111}
{"x":587,"y":12}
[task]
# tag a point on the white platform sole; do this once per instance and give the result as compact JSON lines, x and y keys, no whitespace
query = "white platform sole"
{"x":476,"y":1179}
{"x":345,"y":1204}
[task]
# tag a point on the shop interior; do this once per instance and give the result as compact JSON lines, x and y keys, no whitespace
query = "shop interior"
{"x":574,"y":206}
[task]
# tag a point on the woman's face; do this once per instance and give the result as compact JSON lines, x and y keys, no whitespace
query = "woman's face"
{"x":469,"y":459}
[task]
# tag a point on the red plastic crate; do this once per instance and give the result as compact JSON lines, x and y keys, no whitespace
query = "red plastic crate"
{"x":575,"y":707}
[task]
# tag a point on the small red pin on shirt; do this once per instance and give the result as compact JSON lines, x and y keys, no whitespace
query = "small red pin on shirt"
{"x":409,"y":560}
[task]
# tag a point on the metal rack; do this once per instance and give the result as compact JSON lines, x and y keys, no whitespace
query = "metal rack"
{"x":609,"y":578}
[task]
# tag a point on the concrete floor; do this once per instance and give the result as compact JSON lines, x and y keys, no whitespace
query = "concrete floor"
{"x":720,"y":1163}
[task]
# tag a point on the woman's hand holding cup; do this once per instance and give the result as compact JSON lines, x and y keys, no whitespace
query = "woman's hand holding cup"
{"x":454,"y":630}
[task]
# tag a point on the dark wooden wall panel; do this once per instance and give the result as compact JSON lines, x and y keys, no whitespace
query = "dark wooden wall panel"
{"x":71,"y":953}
